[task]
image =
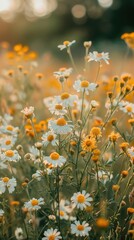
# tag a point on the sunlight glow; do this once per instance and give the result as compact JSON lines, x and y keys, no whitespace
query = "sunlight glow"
{"x":105,"y":3}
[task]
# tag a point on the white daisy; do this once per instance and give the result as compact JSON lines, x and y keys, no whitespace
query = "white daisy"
{"x":19,"y":233}
{"x":34,"y":154}
{"x":84,"y":86}
{"x":1,"y":213}
{"x":81,"y":199}
{"x":63,"y":73}
{"x":38,"y":175}
{"x":9,"y":129}
{"x":66,"y":44}
{"x":80,"y":229}
{"x":11,"y":156}
{"x":66,"y":99}
{"x":28,"y":111}
{"x":127,"y":107}
{"x":49,"y":137}
{"x":131,"y":151}
{"x":55,"y":159}
{"x":104,"y":176}
{"x":98,"y":57}
{"x":7,"y":142}
{"x":57,"y":109}
{"x":60,"y":126}
{"x":52,"y":234}
{"x":7,"y":183}
{"x":48,"y":101}
{"x":34,"y":204}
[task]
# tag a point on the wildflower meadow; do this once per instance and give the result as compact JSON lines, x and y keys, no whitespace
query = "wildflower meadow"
{"x":66,"y":145}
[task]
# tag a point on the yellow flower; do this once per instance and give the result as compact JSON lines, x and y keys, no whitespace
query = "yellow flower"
{"x":114,"y":136}
{"x":102,"y":222}
{"x":129,"y":39}
{"x":88,"y":144}
{"x":95,"y":132}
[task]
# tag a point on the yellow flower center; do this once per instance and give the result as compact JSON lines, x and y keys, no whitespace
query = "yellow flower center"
{"x":50,"y":138}
{"x":64,"y":95}
{"x":5,"y":179}
{"x":34,"y":202}
{"x":9,"y":153}
{"x":8,"y":142}
{"x":80,"y":227}
{"x":58,"y":107}
{"x":61,"y":122}
{"x":9,"y":128}
{"x":51,"y":237}
{"x":84,"y":84}
{"x":88,"y":142}
{"x":61,"y":213}
{"x":81,"y":198}
{"x":54,"y":156}
{"x":62,"y":69}
{"x":99,"y":55}
{"x":129,"y":109}
{"x":66,"y":43}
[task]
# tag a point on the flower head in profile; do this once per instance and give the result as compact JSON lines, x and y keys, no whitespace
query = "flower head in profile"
{"x":66,"y":44}
{"x":99,"y":57}
{"x":81,"y":199}
{"x":63,"y":73}
{"x":28,"y":112}
{"x":60,"y":126}
{"x":129,"y":39}
{"x":55,"y":159}
{"x":66,"y":99}
{"x":52,"y":234}
{"x":7,"y":183}
{"x":34,"y":204}
{"x":130,"y":151}
{"x":80,"y":229}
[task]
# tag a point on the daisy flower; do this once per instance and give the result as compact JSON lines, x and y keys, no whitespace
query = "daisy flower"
{"x":52,"y":234}
{"x":98,"y":57}
{"x":48,"y":101}
{"x":66,"y":99}
{"x":84,"y":86}
{"x":55,"y":159}
{"x":63,"y":73}
{"x":9,"y":129}
{"x":49,"y":137}
{"x":60,"y":126}
{"x":57,"y":109}
{"x":66,"y":44}
{"x":104,"y":176}
{"x":34,"y":204}
{"x":80,"y":229}
{"x":7,"y":142}
{"x":11,"y":156}
{"x":81,"y":199}
{"x":130,"y":151}
{"x":129,"y":39}
{"x":1,"y":213}
{"x":28,"y":111}
{"x":38,"y":175}
{"x":7,"y":183}
{"x":19,"y":233}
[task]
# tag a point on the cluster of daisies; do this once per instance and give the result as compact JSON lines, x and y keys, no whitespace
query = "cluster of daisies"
{"x":71,"y":151}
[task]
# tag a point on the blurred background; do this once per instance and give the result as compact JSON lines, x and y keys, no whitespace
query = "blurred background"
{"x":43,"y":24}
